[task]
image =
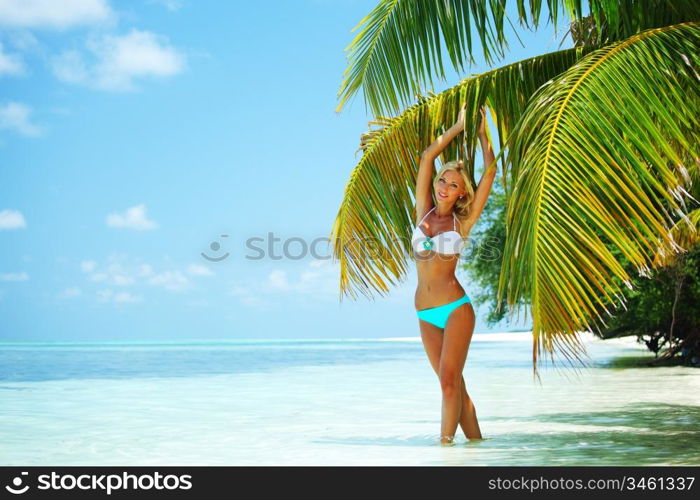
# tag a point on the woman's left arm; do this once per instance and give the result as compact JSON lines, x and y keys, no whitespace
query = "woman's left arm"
{"x":484,"y":188}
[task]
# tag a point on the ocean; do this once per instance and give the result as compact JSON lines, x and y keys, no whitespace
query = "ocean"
{"x":337,"y":402}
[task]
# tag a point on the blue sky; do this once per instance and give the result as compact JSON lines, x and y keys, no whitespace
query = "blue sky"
{"x":134,"y":134}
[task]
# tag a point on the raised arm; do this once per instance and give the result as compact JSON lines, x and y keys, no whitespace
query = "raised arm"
{"x":484,"y":188}
{"x":426,"y":170}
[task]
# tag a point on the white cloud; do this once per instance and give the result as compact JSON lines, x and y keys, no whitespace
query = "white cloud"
{"x":88,"y":266}
{"x":14,"y":276}
{"x":11,"y":219}
{"x":199,"y":270}
{"x":126,"y":297}
{"x":120,"y":279}
{"x":174,"y":281}
{"x":108,"y":295}
{"x":119,"y":60}
{"x":70,"y":67}
{"x":10,"y":64}
{"x":23,"y":40}
{"x":320,"y":278}
{"x":15,"y":116}
{"x":69,"y":293}
{"x":119,"y":275}
{"x":115,"y":273}
{"x":248,"y":297}
{"x":278,"y":280}
{"x":133,"y":218}
{"x":145,"y":270}
{"x":119,"y":272}
{"x":56,"y":14}
{"x":172,"y":5}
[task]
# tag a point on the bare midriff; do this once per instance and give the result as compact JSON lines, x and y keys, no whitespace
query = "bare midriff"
{"x":437,"y":283}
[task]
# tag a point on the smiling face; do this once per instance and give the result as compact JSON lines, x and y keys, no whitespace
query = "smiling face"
{"x":449,"y":187}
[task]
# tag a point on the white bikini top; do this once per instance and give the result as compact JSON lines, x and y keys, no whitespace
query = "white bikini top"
{"x":446,"y":243}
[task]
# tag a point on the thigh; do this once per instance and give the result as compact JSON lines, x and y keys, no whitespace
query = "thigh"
{"x":456,"y":339}
{"x":432,"y":342}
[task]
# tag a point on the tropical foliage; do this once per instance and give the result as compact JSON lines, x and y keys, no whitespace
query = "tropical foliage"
{"x":597,"y":145}
{"x":661,"y":310}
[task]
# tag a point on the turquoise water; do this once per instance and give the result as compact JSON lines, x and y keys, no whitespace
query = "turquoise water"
{"x":364,"y":402}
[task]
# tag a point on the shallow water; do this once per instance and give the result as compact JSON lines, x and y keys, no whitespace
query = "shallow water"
{"x":371,"y":402}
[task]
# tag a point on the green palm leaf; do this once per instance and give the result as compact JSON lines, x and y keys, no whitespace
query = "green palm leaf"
{"x":614,"y":20}
{"x":600,"y":149}
{"x":398,"y":50}
{"x":371,"y":233}
{"x":686,"y":233}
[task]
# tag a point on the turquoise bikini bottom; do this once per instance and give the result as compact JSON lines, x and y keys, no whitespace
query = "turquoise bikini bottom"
{"x":438,"y":315}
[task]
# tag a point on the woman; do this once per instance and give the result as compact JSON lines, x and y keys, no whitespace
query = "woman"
{"x":446,"y":316}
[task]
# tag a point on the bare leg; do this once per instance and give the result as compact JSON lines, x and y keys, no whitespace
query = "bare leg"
{"x":432,"y":337}
{"x":457,"y":337}
{"x":467,"y":418}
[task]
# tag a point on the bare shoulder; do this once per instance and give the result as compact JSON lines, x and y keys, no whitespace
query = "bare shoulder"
{"x":421,"y":210}
{"x":465,"y":227}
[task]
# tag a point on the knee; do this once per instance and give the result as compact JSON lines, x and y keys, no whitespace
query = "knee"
{"x":463,"y":385}
{"x":450,"y":381}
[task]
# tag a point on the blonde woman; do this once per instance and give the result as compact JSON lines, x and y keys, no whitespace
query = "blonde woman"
{"x":445,"y":313}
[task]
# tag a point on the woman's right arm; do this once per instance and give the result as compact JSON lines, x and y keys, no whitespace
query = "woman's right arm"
{"x":484,"y":188}
{"x":424,"y":180}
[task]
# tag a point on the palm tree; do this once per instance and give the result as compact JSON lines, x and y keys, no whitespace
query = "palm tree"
{"x":600,"y":139}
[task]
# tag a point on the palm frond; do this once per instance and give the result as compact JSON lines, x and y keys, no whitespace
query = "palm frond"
{"x":400,"y":44}
{"x":599,"y":150}
{"x":398,"y":51}
{"x":686,"y":233}
{"x":614,"y":20}
{"x":371,"y":233}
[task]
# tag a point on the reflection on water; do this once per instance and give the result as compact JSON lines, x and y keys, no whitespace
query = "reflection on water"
{"x":646,"y":435}
{"x":326,"y":403}
{"x":639,"y":434}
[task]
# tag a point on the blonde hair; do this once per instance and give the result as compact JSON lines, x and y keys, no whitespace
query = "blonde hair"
{"x":462,"y":207}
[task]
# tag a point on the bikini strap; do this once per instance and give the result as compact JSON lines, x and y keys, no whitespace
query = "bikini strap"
{"x":455,"y":224}
{"x":421,"y":221}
